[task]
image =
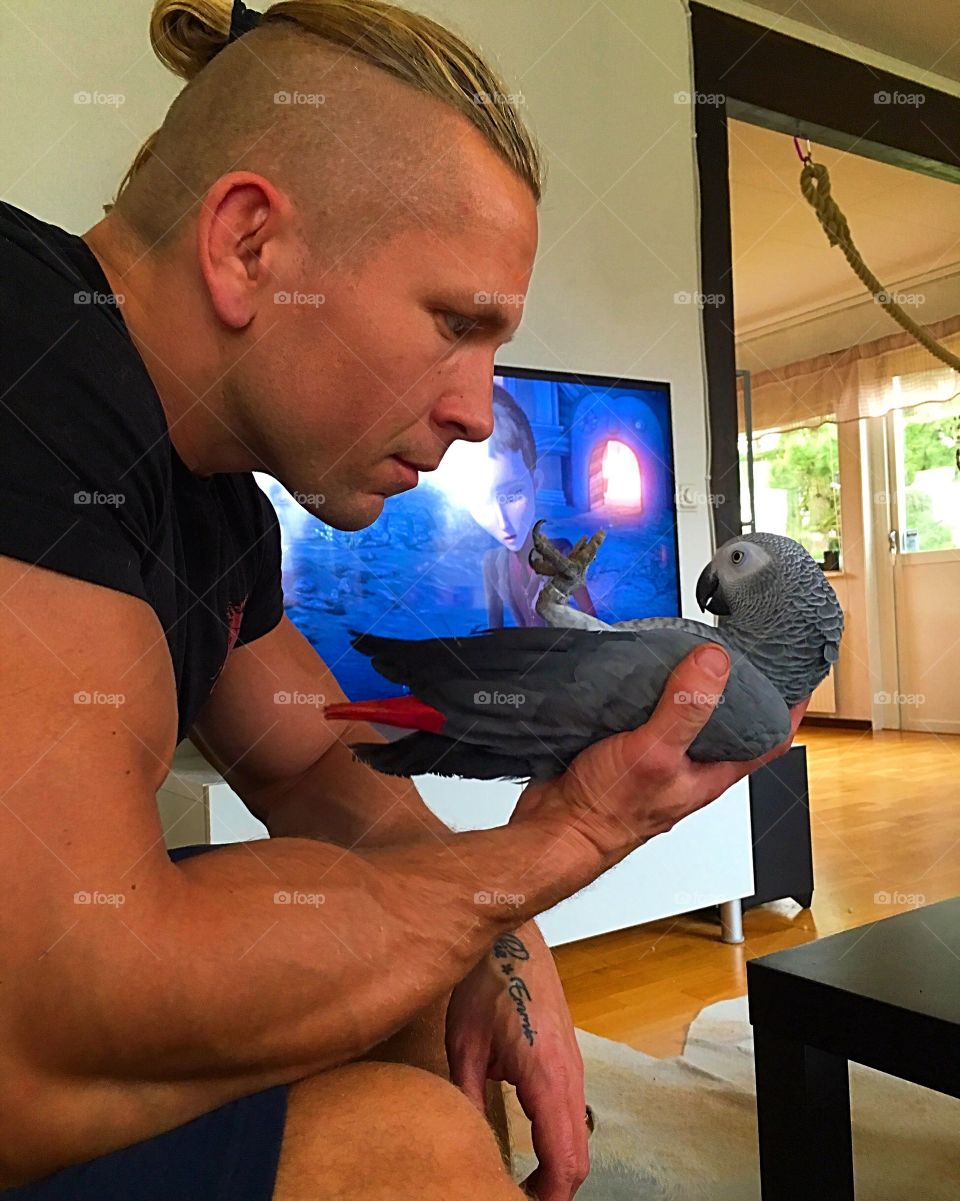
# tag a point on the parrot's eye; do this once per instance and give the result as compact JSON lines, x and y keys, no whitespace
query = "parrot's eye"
{"x":736,"y":556}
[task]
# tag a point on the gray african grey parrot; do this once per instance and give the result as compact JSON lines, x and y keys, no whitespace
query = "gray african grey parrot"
{"x":521,"y":703}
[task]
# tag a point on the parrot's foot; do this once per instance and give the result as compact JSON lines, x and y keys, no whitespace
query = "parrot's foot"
{"x":568,"y":572}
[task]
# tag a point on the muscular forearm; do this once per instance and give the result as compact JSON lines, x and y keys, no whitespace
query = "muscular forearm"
{"x":226,"y":991}
{"x":342,"y":800}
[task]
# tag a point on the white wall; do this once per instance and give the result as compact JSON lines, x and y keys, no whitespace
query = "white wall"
{"x":62,"y":160}
{"x":618,"y":222}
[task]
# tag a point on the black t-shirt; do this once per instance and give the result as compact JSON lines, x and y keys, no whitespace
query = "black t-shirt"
{"x":90,"y":482}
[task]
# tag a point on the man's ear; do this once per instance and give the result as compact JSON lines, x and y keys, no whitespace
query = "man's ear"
{"x":537,"y":478}
{"x":241,"y":230}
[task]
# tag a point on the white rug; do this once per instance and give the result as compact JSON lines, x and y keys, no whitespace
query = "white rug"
{"x":684,"y":1129}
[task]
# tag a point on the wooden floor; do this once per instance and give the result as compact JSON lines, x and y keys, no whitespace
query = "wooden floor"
{"x":885,"y":814}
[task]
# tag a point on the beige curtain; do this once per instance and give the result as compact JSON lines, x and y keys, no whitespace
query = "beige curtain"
{"x":862,"y":381}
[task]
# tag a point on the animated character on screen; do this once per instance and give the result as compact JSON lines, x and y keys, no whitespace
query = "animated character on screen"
{"x":505,"y":506}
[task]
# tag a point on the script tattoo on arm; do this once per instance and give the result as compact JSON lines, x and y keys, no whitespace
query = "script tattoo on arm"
{"x":510,"y":948}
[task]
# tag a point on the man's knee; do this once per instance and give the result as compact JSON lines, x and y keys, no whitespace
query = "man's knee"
{"x":394,"y":1101}
{"x":384,"y":1130}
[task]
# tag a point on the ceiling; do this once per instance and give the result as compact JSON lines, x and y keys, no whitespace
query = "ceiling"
{"x":922,"y":33}
{"x":906,"y":225}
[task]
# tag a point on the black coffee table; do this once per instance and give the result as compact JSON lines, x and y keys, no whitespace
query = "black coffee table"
{"x":886,"y":995}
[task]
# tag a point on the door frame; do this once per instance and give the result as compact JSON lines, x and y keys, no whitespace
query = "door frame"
{"x":768,"y":78}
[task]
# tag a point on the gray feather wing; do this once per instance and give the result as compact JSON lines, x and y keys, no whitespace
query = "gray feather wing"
{"x":537,"y":697}
{"x":433,"y":754}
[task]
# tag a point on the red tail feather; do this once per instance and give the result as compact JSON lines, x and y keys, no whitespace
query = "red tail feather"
{"x":404,"y":711}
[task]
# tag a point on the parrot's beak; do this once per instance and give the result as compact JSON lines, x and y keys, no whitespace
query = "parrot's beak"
{"x":708,"y":593}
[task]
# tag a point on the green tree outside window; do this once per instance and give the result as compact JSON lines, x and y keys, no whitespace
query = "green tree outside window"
{"x":803,"y":464}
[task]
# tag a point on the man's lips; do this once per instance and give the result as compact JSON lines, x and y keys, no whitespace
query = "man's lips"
{"x":410,"y":473}
{"x":412,"y":469}
{"x":417,"y":466}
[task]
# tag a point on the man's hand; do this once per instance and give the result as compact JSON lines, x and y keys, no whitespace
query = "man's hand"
{"x":620,"y":792}
{"x":508,"y":1020}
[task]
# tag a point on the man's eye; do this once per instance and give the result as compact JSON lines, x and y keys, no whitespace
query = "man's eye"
{"x":458,"y":324}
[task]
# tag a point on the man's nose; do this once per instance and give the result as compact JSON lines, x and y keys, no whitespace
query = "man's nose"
{"x":467,"y":412}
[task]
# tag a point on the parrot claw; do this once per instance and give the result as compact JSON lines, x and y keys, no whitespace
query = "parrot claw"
{"x":569,"y":571}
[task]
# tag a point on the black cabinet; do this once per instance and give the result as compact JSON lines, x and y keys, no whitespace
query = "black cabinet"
{"x":780,"y":817}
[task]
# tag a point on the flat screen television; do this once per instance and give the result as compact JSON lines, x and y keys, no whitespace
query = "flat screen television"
{"x":583,"y":452}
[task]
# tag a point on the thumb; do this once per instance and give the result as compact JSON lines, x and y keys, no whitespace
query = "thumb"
{"x":691,"y":694}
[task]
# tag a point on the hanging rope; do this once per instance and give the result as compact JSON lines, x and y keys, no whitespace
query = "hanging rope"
{"x":815,"y":185}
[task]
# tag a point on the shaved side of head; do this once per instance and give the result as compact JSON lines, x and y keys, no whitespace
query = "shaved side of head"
{"x":361,"y":154}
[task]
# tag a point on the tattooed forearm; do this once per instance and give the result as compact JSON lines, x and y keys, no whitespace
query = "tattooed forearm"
{"x":510,"y":948}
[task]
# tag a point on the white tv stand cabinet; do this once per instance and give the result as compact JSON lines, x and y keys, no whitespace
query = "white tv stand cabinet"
{"x":706,"y":859}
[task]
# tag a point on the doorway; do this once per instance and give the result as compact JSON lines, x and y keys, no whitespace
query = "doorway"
{"x":785,"y":87}
{"x":815,"y":351}
{"x":922,"y":557}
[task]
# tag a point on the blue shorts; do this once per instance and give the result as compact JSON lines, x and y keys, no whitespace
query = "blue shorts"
{"x":229,"y":1154}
